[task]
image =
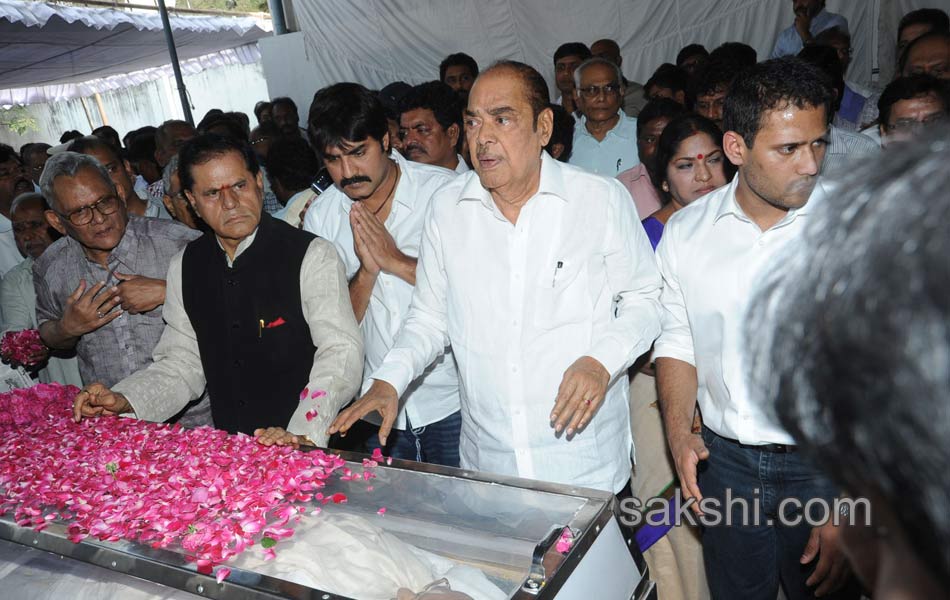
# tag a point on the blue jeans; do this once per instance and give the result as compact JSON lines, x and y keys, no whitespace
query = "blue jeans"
{"x":749,"y":562}
{"x":436,"y":443}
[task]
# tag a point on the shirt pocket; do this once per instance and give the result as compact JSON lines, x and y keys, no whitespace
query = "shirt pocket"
{"x":562,"y":296}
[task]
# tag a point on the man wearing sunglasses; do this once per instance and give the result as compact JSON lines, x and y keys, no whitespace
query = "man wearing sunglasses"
{"x":99,"y":287}
{"x":605,"y":139}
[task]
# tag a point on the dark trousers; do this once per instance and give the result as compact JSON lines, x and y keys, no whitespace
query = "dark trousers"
{"x":750,"y":562}
{"x":436,"y":443}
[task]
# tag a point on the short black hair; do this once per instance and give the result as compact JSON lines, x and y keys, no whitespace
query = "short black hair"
{"x":69,"y":136}
{"x":934,"y":17}
{"x":459,"y":59}
{"x":736,"y":53}
{"x":680,"y":128}
{"x":89,"y":143}
{"x":689,"y":52}
{"x":108,"y":131}
{"x":826,"y":37}
{"x":260,"y":107}
{"x":713,"y":77}
{"x":771,"y":85}
{"x":141,"y":147}
{"x":563,"y":132}
{"x":912,"y":86}
{"x":654,"y":109}
{"x":292,"y":162}
{"x":668,"y":76}
{"x":572,"y":49}
{"x":345,"y":111}
{"x":33,"y":148}
{"x":437,"y":97}
{"x":535,"y":87}
{"x":233,"y":126}
{"x":7,"y":153}
{"x":203,"y":147}
{"x":826,"y":59}
{"x":285,"y":101}
{"x":930,"y":35}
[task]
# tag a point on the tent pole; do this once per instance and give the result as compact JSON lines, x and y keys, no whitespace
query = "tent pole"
{"x":173,"y":53}
{"x":277,"y":16}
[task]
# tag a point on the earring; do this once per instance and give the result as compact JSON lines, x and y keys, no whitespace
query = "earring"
{"x":666,"y":187}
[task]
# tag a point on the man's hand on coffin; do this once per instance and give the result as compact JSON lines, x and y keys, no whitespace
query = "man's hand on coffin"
{"x":581,"y":393}
{"x":140,"y":294}
{"x":96,"y":400}
{"x":381,"y":398}
{"x":278,"y":436}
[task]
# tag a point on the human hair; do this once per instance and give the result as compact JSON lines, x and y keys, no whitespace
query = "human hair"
{"x":68,"y":136}
{"x":260,"y":107}
{"x":737,"y":53}
{"x":163,"y":137}
{"x":849,"y":341}
{"x":91,"y":143}
{"x":345,"y":112}
{"x":577,"y":49}
{"x":935,"y":18}
{"x":207,"y":146}
{"x":773,"y":85}
{"x":690,"y":51}
{"x":562,"y":133}
{"x":654,"y":109}
{"x":832,"y":35}
{"x":267,"y":128}
{"x":142,"y":146}
{"x":275,"y":102}
{"x":912,"y":86}
{"x":107,"y":132}
{"x":231,"y":125}
{"x":459,"y":59}
{"x":596,"y":60}
{"x":7,"y":153}
{"x":68,"y":164}
{"x":26,"y":198}
{"x":535,"y":87}
{"x":437,"y":97}
{"x":32,"y":148}
{"x":931,"y":35}
{"x":713,"y":77}
{"x":291,"y":162}
{"x":668,"y":76}
{"x":168,"y":172}
{"x":826,"y":59}
{"x":680,"y":128}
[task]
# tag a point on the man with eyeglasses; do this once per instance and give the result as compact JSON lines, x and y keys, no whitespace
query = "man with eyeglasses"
{"x":605,"y":139}
{"x":430,"y":126}
{"x":910,"y":105}
{"x":99,"y":288}
{"x":13,"y":182}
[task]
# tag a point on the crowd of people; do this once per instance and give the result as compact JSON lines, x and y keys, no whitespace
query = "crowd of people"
{"x":527,"y":287}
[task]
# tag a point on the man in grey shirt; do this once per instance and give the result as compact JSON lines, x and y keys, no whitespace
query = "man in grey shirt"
{"x":99,"y":288}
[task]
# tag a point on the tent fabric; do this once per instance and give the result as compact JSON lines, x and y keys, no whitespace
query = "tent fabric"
{"x":376,"y":42}
{"x":50,"y":52}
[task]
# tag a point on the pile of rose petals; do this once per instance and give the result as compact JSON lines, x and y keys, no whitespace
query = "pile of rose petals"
{"x":21,"y":347}
{"x":201,"y":490}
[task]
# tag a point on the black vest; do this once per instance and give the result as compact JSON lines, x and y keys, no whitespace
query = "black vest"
{"x":255,"y":372}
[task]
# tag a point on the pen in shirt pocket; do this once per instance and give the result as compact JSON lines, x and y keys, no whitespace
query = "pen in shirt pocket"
{"x":557,"y":268}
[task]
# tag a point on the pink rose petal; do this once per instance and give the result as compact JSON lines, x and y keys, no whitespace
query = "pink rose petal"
{"x":222,"y":574}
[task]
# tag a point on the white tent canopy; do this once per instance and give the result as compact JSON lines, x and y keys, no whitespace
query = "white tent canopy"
{"x":50,"y":52}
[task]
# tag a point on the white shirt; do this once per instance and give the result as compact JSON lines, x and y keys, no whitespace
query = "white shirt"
{"x":9,"y":254}
{"x":610,"y":156}
{"x":435,"y":395}
{"x":709,"y":256}
{"x":519,"y":304}
{"x":462,"y":167}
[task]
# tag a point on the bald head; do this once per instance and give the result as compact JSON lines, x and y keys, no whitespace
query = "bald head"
{"x":27,"y":201}
{"x":607,"y":49}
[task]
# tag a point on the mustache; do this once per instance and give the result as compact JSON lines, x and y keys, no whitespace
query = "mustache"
{"x":415,"y":148}
{"x":348,"y":181}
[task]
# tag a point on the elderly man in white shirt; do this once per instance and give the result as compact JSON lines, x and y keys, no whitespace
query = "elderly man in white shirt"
{"x":712,"y":254}
{"x":374,"y":215}
{"x":540,"y":276}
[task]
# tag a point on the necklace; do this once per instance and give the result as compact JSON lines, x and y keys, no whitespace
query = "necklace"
{"x":392,"y":191}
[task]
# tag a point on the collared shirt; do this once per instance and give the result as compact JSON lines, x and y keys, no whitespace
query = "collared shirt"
{"x":18,"y":311}
{"x":176,"y":376}
{"x":616,"y":153}
{"x":156,"y":191}
{"x":520,"y":303}
{"x":434,"y":395}
{"x":462,"y":167}
{"x":125,"y":344}
{"x":789,"y":43}
{"x":9,"y":254}
{"x":290,"y":213}
{"x":637,"y":181}
{"x":271,"y":203}
{"x":154,"y":208}
{"x":710,"y":256}
{"x":845,"y":148}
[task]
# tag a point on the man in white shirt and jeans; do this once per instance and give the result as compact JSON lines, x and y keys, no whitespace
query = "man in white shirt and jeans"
{"x":711,"y":256}
{"x":539,"y":274}
{"x":374,"y":215}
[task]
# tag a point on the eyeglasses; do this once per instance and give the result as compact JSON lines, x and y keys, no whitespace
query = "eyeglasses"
{"x":592,"y":91}
{"x":915,"y":126}
{"x":83,"y":216}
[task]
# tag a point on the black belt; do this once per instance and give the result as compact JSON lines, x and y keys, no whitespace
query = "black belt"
{"x":776,"y":448}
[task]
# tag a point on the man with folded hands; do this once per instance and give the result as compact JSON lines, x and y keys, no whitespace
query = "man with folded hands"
{"x":257,"y":309}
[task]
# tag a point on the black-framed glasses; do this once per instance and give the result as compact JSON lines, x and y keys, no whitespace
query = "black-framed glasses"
{"x":83,"y":216}
{"x":592,"y":91}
